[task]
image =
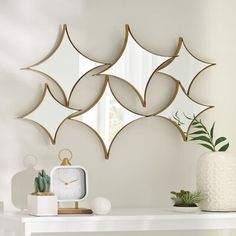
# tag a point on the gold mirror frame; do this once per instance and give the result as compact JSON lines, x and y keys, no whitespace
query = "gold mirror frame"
{"x":181,"y":44}
{"x":143,"y":100}
{"x":140,"y":113}
{"x":128,"y":34}
{"x":70,"y":117}
{"x":183,"y":134}
{"x":51,"y":53}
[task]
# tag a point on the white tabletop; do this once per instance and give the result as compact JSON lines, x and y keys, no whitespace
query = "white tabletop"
{"x":127,"y":220}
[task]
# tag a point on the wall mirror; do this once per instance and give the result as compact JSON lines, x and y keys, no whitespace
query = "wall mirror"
{"x":135,"y":65}
{"x":49,"y":114}
{"x":117,"y":89}
{"x":182,"y":108}
{"x":184,"y":66}
{"x":67,"y":67}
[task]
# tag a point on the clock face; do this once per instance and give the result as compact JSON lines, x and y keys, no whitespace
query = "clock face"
{"x":69,"y":183}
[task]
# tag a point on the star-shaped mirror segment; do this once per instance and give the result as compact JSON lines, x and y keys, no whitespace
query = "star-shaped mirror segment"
{"x":181,"y":109}
{"x":135,"y":65}
{"x":107,"y":117}
{"x":184,"y":66}
{"x":65,"y":65}
{"x":49,"y":114}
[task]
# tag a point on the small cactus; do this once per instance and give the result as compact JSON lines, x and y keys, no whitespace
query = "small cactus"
{"x":42,"y":182}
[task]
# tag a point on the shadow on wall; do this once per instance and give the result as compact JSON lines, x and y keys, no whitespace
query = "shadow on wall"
{"x":22,"y":184}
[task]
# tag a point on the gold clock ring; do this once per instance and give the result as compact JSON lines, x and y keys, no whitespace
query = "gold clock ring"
{"x":68,"y":156}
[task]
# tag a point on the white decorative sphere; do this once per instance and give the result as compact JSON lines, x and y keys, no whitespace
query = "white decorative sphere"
{"x":101,"y":206}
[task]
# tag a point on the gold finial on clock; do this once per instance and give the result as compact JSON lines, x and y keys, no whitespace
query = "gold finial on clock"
{"x":65,"y":161}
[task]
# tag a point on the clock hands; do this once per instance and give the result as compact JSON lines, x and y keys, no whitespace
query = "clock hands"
{"x":75,"y":180}
{"x":70,"y":182}
{"x":64,"y":182}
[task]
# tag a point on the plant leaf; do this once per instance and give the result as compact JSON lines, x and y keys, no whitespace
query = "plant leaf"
{"x":202,"y":138}
{"x":194,"y":123}
{"x":212,"y":130}
{"x":207,"y":146}
{"x":198,"y":132}
{"x":224,"y":148}
{"x":199,"y":126}
{"x":219,"y":140}
{"x":187,"y":117}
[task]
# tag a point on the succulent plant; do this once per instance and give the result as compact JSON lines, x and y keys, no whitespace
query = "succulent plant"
{"x":42,"y":182}
{"x":186,"y":198}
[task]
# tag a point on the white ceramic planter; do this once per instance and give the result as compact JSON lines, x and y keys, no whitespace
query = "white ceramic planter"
{"x":42,"y":205}
{"x":186,"y":209}
{"x":216,"y":180}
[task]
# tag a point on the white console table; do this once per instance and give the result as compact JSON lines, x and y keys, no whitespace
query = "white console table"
{"x":117,"y":220}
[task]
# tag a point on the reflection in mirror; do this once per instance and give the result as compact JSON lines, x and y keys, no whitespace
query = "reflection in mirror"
{"x":182,"y":108}
{"x":87,"y":91}
{"x":107,"y":117}
{"x":135,"y":71}
{"x":65,"y":65}
{"x":161,"y":91}
{"x":49,"y":114}
{"x":135,"y":65}
{"x":184,"y":66}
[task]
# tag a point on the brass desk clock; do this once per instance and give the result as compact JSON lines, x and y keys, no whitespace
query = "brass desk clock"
{"x":69,"y":184}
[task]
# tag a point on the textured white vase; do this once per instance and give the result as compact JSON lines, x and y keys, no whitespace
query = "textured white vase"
{"x":216,"y":180}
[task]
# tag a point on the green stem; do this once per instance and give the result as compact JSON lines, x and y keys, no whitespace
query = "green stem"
{"x":208,"y":134}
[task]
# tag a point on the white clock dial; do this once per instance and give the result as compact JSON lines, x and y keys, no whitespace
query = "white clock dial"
{"x":69,"y":184}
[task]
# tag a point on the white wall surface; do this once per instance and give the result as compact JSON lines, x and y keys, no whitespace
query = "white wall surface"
{"x":150,"y":159}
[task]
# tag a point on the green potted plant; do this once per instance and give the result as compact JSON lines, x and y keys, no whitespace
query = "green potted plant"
{"x":42,"y":202}
{"x":216,"y":169}
{"x":186,"y":201}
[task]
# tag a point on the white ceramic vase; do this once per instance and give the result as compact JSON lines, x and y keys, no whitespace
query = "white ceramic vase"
{"x":216,"y":180}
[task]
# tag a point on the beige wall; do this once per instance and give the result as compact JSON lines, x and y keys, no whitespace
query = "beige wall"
{"x":150,"y":159}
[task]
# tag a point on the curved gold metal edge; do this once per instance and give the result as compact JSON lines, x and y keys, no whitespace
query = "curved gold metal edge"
{"x":97,"y":135}
{"x":57,"y":45}
{"x":140,"y":114}
{"x":121,"y":51}
{"x":129,"y":84}
{"x":58,"y":85}
{"x":71,"y":41}
{"x":67,"y":102}
{"x":176,"y":89}
{"x":175,"y":55}
{"x":127,"y":33}
{"x":53,"y":139}
{"x":182,"y":133}
{"x":209,"y":65}
{"x":37,"y":105}
{"x":195,"y":77}
{"x":131,"y":34}
{"x":133,"y":121}
{"x":185,"y":134}
{"x":52,"y":51}
{"x":97,"y":100}
{"x":117,"y":134}
{"x":77,"y":83}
